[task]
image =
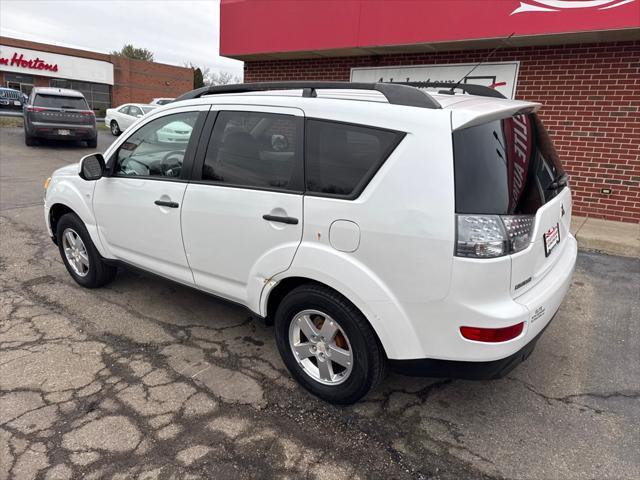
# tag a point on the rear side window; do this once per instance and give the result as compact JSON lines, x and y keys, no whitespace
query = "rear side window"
{"x":505,"y":167}
{"x":56,"y":101}
{"x":341,"y":158}
{"x":253,"y":149}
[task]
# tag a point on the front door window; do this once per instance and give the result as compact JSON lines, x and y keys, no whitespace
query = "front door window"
{"x":157,"y":149}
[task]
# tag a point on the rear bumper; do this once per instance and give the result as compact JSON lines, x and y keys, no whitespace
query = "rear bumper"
{"x":52,"y":131}
{"x":427,"y":367}
{"x":480,"y":297}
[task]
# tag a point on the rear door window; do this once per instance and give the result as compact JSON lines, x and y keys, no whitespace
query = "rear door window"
{"x":254,"y":149}
{"x":341,"y":158}
{"x":505,"y":167}
{"x":58,"y":101}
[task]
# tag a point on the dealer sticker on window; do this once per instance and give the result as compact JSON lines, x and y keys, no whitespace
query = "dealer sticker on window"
{"x":551,"y":239}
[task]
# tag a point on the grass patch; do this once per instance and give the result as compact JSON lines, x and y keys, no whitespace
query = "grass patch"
{"x":10,"y":122}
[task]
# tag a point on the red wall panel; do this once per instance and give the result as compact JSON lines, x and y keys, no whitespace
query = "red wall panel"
{"x":270,"y":26}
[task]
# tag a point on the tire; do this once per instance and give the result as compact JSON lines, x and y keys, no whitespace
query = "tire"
{"x":115,"y":128}
{"x":93,"y":143}
{"x":98,"y":273}
{"x":29,"y":141}
{"x":368,"y":366}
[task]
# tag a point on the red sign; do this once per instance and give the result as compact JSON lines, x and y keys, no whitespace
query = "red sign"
{"x":250,"y":27}
{"x":517,"y":133}
{"x":32,"y":63}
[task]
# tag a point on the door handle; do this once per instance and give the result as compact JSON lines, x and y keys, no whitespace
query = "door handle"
{"x":280,"y":219}
{"x":164,"y":203}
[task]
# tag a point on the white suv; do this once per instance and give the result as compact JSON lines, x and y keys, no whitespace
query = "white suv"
{"x":374,"y":224}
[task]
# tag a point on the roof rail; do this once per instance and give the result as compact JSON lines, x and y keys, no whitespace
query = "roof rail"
{"x":470,"y":88}
{"x":395,"y":93}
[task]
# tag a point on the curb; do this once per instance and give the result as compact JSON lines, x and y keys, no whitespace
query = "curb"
{"x":604,"y":236}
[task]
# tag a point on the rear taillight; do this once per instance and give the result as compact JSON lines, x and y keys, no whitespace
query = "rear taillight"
{"x":87,"y":112}
{"x":492,"y":335}
{"x":490,"y":236}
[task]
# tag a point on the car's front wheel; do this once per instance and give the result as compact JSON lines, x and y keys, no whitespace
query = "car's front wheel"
{"x":79,"y":254}
{"x":115,"y":128}
{"x":328,"y":345}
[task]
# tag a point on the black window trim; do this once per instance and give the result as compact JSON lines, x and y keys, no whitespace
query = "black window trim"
{"x":364,"y":182}
{"x":201,"y":155}
{"x":189,"y":154}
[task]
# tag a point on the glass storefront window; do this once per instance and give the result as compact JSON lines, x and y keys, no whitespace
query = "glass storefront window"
{"x":98,"y":95}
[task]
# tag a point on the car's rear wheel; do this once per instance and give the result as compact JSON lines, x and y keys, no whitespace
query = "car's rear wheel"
{"x":79,"y":254}
{"x":115,"y":128}
{"x":328,"y":345}
{"x":93,"y":143}
{"x":29,"y":141}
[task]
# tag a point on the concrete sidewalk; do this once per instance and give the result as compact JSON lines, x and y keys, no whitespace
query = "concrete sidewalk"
{"x":615,"y":238}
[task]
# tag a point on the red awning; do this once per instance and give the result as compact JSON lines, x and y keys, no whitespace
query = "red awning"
{"x":253,"y":29}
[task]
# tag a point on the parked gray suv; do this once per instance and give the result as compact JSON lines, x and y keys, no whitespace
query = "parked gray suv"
{"x":60,"y":114}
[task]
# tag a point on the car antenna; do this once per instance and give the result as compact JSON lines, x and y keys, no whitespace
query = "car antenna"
{"x":502,"y":42}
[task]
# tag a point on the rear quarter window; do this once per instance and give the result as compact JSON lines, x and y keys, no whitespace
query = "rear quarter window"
{"x":341,"y":158}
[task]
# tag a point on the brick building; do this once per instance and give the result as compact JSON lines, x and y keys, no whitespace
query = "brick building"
{"x":105,"y":80}
{"x":581,"y":60}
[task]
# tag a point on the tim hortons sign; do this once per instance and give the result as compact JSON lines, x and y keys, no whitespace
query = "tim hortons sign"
{"x":56,"y":65}
{"x":31,"y":63}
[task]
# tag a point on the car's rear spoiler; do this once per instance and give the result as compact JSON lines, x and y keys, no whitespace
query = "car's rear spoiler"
{"x":469,"y":114}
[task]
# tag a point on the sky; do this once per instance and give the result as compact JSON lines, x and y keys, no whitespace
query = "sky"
{"x":175,"y":31}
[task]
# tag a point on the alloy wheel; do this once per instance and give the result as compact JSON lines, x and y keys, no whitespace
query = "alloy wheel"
{"x":321,"y":347}
{"x":75,"y":251}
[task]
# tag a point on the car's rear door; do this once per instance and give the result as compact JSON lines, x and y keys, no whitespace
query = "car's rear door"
{"x":242,"y":211}
{"x":138,"y":205}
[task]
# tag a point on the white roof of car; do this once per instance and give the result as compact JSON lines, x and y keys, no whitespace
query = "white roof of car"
{"x":63,"y":92}
{"x":465,"y":110}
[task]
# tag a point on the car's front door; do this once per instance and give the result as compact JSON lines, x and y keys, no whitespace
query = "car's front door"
{"x":122,"y":117}
{"x":138,"y":205}
{"x":242,"y":212}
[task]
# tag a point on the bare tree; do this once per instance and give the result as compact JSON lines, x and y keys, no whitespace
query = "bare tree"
{"x":219,"y":78}
{"x":209,"y":77}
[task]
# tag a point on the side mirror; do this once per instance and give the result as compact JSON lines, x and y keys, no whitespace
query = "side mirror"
{"x":92,"y":167}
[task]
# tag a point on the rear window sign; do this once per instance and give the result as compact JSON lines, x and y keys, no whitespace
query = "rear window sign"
{"x":517,"y":133}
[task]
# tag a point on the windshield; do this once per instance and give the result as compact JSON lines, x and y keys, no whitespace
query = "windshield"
{"x":147,"y":109}
{"x":505,"y":167}
{"x":58,"y":101}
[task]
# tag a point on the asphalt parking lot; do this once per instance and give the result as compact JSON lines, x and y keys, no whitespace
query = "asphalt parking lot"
{"x":149,"y":379}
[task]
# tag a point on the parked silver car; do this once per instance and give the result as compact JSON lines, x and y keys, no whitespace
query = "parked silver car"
{"x":61,"y":114}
